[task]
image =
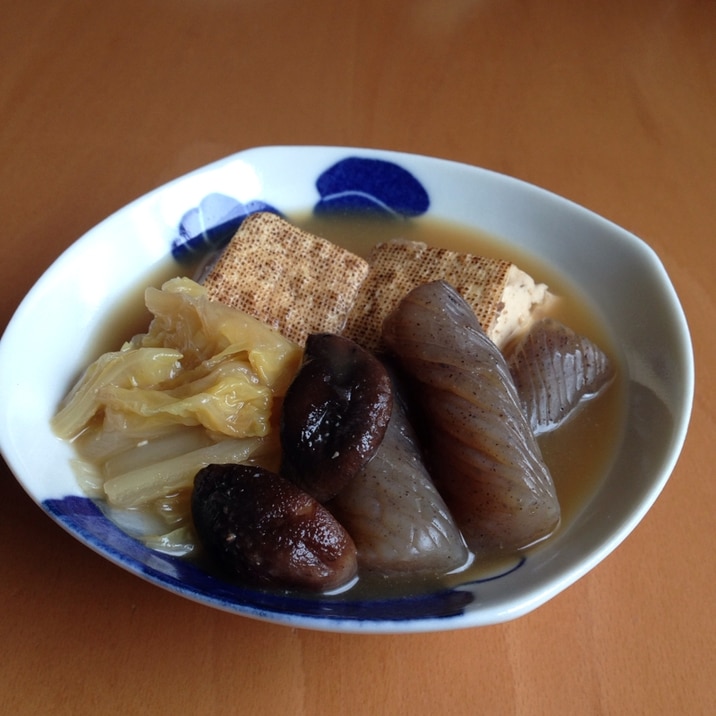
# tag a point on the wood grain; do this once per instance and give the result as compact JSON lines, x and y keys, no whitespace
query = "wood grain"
{"x":609,"y":104}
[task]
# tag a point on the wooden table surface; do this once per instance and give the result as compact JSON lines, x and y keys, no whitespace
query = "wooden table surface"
{"x":611,"y":104}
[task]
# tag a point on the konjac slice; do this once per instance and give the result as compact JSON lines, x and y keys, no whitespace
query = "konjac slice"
{"x":554,"y":370}
{"x":482,"y":452}
{"x":264,"y":529}
{"x":393,"y":511}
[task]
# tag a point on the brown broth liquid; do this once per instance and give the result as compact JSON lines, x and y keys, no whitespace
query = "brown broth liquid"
{"x":578,"y":454}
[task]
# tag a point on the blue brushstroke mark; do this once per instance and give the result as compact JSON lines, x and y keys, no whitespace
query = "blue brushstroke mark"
{"x":84,"y":518}
{"x":211,"y":225}
{"x":354,"y":184}
{"x":373,"y":185}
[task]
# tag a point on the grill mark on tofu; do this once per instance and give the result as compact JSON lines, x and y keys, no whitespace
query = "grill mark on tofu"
{"x":295,"y":282}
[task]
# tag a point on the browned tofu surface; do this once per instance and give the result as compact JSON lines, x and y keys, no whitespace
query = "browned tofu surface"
{"x":295,"y":282}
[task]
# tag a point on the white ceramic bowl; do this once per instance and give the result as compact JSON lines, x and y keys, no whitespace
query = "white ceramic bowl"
{"x":51,"y":338}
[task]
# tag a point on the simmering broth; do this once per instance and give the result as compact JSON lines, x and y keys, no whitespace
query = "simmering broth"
{"x":578,"y":453}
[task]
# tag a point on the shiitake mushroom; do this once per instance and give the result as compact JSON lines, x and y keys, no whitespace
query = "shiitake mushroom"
{"x":335,"y":415}
{"x":264,"y":529}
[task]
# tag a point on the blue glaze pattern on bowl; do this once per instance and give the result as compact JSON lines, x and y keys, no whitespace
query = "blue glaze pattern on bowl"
{"x":83,"y":517}
{"x":210,"y":226}
{"x":376,"y":185}
{"x":351,"y":184}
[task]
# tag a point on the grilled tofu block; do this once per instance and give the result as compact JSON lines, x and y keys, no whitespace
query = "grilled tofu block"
{"x":503,"y":297}
{"x":294,"y":281}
